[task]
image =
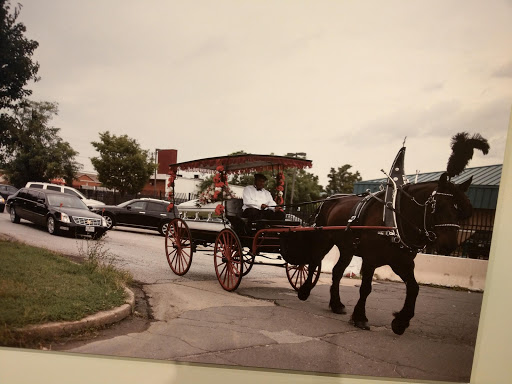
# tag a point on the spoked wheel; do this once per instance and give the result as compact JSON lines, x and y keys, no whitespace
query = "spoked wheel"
{"x":297,"y":274}
{"x":50,"y":225}
{"x":248,"y":259}
{"x":228,"y":259}
{"x":178,"y":246}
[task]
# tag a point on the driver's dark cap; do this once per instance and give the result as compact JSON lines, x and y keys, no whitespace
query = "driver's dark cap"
{"x":260,"y":176}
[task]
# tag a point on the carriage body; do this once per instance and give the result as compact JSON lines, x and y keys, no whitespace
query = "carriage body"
{"x":236,"y":242}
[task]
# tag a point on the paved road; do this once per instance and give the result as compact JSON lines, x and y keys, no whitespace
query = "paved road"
{"x":263,"y":324}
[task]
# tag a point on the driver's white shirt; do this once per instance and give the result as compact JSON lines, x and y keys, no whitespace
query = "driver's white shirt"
{"x":254,"y":198}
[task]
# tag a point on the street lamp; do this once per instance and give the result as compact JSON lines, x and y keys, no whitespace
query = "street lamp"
{"x":296,"y":154}
{"x":156,"y":166}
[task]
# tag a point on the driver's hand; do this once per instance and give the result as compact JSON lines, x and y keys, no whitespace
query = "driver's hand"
{"x":264,"y":206}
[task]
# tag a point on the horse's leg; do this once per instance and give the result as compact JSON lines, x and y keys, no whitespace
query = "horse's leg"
{"x":318,"y":255}
{"x":359,"y":315}
{"x":337,"y":273}
{"x":401,"y":321}
{"x":307,"y":286}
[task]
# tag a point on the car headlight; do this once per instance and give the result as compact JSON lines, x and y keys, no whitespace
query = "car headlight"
{"x":103,"y":221}
{"x":2,"y":200}
{"x":64,"y":218}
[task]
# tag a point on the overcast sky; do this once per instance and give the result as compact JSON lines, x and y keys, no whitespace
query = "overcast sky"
{"x":343,"y":81}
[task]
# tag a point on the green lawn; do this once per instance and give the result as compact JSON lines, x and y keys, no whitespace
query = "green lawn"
{"x":38,"y":286}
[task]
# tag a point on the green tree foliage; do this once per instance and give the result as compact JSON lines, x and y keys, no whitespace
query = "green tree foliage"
{"x":122,"y":164}
{"x":342,"y":180}
{"x":306,"y":186}
{"x":34,"y":151}
{"x":16,"y":68}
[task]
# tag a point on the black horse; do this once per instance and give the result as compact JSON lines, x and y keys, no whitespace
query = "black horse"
{"x":426,"y":214}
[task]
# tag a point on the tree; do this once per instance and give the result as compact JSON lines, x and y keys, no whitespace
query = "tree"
{"x":306,"y":187}
{"x":16,"y":69}
{"x":33,"y":150}
{"x":342,"y":180}
{"x":16,"y":65}
{"x":122,"y":164}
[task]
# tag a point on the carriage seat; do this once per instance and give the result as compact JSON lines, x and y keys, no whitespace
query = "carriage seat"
{"x":234,"y":214}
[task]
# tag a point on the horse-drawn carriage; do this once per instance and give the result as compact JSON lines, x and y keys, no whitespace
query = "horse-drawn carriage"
{"x":385,"y":228}
{"x":217,"y":221}
{"x":236,"y":241}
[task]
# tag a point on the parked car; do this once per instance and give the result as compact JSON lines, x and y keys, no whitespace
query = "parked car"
{"x":139,"y":213}
{"x":478,"y":245}
{"x":5,"y":192}
{"x":64,"y":189}
{"x":58,"y":212}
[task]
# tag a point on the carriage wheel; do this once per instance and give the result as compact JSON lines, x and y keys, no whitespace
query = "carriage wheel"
{"x":248,"y":259}
{"x":228,"y":259}
{"x":178,"y":246}
{"x":297,"y":274}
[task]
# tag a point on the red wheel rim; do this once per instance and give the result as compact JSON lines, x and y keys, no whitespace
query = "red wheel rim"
{"x":178,"y":246}
{"x":297,"y":274}
{"x":228,"y":260}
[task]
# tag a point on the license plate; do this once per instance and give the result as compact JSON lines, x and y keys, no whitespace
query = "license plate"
{"x":89,"y":229}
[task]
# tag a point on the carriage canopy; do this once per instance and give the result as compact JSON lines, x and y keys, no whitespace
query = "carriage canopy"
{"x":246,"y":163}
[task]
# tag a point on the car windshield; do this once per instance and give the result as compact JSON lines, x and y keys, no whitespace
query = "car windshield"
{"x":66,"y":201}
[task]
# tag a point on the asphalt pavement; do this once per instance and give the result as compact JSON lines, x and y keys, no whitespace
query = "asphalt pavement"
{"x":265,"y":325}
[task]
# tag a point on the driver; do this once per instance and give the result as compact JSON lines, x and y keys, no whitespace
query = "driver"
{"x":258,"y":202}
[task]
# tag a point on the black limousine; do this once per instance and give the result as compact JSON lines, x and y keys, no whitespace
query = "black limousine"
{"x":60,"y":213}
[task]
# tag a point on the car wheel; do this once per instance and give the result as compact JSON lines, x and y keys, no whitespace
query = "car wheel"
{"x":110,"y":220}
{"x":14,"y":217}
{"x":163,"y":228}
{"x":2,"y":209}
{"x":50,"y":225}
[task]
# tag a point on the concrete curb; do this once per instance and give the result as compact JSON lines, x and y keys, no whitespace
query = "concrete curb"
{"x":99,"y":319}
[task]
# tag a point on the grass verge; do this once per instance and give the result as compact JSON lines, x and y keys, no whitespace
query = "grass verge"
{"x":39,"y":286}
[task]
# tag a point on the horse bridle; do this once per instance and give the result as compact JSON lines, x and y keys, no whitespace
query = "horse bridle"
{"x":431,"y":201}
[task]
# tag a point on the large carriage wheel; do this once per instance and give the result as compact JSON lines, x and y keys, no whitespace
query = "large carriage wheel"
{"x":178,"y":246}
{"x":228,"y":259}
{"x":297,"y":274}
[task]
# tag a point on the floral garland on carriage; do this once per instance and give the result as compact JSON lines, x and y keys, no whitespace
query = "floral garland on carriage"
{"x":218,"y":191}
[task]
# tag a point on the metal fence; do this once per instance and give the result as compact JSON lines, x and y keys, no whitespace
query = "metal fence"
{"x":475,"y":235}
{"x":305,"y":212}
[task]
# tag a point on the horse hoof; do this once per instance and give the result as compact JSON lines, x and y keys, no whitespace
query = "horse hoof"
{"x":360,"y":324}
{"x":303,"y":295}
{"x":398,"y":328}
{"x":338,"y":308}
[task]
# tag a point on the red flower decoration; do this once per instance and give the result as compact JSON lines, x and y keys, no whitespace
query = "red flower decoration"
{"x":170,"y":207}
{"x":219,"y":210}
{"x":220,"y":168}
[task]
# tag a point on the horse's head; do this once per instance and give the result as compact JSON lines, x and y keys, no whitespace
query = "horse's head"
{"x":450,"y":205}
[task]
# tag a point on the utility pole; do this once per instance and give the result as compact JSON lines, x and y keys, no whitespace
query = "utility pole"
{"x":156,"y":166}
